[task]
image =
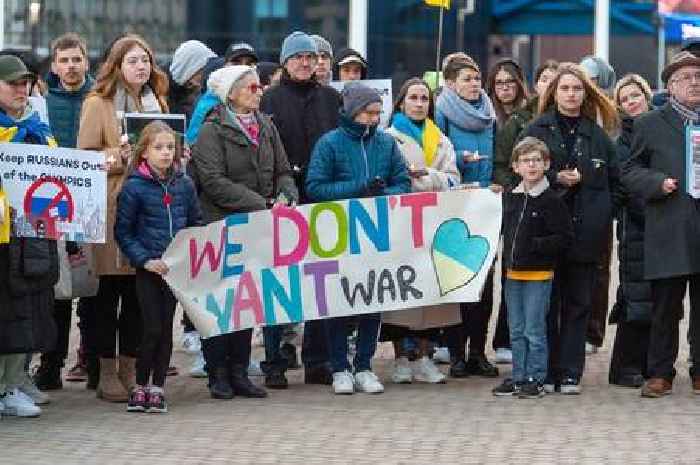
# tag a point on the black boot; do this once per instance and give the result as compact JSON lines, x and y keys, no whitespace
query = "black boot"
{"x":479,"y":366}
{"x":92,"y":366}
{"x":220,"y":384}
{"x":320,"y":373}
{"x":275,"y":378}
{"x":241,"y":384}
{"x":48,"y":377}
{"x":458,"y":368}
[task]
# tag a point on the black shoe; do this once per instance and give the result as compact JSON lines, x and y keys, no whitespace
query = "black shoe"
{"x":506,"y":388}
{"x":289,"y":353}
{"x":241,"y":384}
{"x":275,"y":379}
{"x":458,"y":369}
{"x":220,"y":384}
{"x":630,"y":381}
{"x":479,"y":366}
{"x":318,"y":374}
{"x":531,"y":390}
{"x":48,"y":378}
{"x":570,"y":386}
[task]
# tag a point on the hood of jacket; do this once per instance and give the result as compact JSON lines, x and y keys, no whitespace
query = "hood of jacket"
{"x":355,"y":129}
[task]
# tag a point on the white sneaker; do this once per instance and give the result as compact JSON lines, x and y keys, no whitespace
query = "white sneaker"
{"x":591,"y":349}
{"x":425,"y":371}
{"x":197,"y":369}
{"x":343,"y":382}
{"x":254,"y":369}
{"x":366,"y":381}
{"x":402,"y":371}
{"x":18,"y":404}
{"x":504,"y":356}
{"x":191,"y":343}
{"x":30,"y":390}
{"x":441,"y":355}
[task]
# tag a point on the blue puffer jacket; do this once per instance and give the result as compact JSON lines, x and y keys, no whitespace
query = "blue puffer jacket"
{"x":483,"y":142}
{"x":145,"y":225}
{"x":64,"y":110}
{"x":205,"y":104}
{"x":346,"y":158}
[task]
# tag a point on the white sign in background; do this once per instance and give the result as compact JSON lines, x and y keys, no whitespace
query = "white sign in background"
{"x":383,"y":86}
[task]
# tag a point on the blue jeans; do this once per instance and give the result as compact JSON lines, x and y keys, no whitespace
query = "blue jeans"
{"x":338,"y":332}
{"x":528,"y":304}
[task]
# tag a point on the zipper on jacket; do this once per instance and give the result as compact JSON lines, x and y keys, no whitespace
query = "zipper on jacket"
{"x":364,"y":152}
{"x":517,"y":227}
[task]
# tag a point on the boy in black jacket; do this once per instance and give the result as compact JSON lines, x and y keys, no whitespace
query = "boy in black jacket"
{"x":537,"y":228}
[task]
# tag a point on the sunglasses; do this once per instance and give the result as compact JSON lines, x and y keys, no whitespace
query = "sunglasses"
{"x":255,"y":88}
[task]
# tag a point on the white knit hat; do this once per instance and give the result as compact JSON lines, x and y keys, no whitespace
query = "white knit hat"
{"x":221,"y":80}
{"x":189,"y":57}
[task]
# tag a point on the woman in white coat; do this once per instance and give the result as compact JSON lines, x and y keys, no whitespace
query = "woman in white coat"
{"x":431,"y":163}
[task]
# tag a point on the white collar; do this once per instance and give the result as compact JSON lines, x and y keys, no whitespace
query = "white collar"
{"x":535,"y":191}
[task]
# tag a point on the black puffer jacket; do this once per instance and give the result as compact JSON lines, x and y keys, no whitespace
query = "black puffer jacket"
{"x":634,"y":292}
{"x":302,"y":113}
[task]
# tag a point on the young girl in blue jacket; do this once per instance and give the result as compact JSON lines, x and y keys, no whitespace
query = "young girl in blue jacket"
{"x":156,"y":201}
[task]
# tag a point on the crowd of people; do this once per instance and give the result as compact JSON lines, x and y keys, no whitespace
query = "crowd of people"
{"x":570,"y":155}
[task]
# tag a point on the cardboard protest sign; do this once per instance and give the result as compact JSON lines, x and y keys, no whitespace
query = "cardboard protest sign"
{"x":383,"y":86}
{"x":55,"y":193}
{"x":335,"y":259}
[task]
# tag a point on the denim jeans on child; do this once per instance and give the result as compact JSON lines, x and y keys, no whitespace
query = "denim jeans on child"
{"x":528,"y":304}
{"x":338,"y":331}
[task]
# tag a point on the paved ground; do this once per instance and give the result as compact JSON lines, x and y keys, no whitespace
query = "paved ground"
{"x":460,"y":422}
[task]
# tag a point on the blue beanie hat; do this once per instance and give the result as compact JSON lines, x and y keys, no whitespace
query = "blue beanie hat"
{"x":296,"y":42}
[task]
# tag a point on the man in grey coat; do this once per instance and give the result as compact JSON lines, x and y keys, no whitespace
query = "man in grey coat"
{"x":656,"y":172}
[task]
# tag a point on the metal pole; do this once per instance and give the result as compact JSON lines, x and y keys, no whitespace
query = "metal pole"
{"x":661,"y":52}
{"x":439,"y":47}
{"x":357,"y":25}
{"x":602,"y":29}
{"x":2,"y":24}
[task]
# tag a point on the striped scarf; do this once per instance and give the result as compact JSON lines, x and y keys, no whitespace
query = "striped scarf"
{"x":690,"y":116}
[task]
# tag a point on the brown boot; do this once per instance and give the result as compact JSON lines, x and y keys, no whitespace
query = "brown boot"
{"x":109,"y":387}
{"x":696,"y":385}
{"x":127,"y":372}
{"x":657,"y":387}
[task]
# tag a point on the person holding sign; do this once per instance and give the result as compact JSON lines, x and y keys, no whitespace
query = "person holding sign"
{"x":353,"y":161}
{"x":242,"y":167}
{"x":431,"y":163}
{"x":128,"y":81}
{"x":28,"y":266}
{"x":658,"y":172}
{"x":156,"y":201}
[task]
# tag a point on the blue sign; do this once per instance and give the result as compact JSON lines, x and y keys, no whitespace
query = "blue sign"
{"x":681,"y":26}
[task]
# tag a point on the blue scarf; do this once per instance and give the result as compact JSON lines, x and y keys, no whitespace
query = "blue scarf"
{"x":409,"y":127}
{"x":470,"y":116}
{"x":30,"y":128}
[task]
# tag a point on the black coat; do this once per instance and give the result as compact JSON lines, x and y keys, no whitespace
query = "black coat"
{"x":591,"y":201}
{"x":634,"y":292}
{"x":672,"y":227}
{"x":28,"y":272}
{"x":302,"y":113}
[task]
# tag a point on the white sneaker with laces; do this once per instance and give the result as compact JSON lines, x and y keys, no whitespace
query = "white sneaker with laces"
{"x":197,"y":369}
{"x":18,"y":404}
{"x":402,"y":371}
{"x":30,"y":390}
{"x":425,"y":371}
{"x":366,"y":381}
{"x":504,"y":356}
{"x":191,"y":343}
{"x":343,"y":382}
{"x":441,"y":355}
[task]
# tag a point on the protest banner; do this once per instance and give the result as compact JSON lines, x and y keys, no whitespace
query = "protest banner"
{"x":56,"y":193}
{"x":383,"y":86}
{"x":335,"y":259}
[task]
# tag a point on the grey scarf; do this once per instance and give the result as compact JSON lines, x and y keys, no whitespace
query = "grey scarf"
{"x":688,"y":114}
{"x":124,"y":102}
{"x":473,"y":118}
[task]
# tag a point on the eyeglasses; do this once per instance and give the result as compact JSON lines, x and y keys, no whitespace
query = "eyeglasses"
{"x":688,"y":77}
{"x":506,"y":83}
{"x":530,"y":160}
{"x":255,"y":88}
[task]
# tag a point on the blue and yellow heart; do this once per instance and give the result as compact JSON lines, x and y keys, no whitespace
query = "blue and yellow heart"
{"x":457,"y":255}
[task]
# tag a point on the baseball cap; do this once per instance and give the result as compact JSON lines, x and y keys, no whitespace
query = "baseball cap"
{"x":13,"y":69}
{"x":240,"y":49}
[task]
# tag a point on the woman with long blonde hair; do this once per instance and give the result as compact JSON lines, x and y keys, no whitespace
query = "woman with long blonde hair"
{"x":128,"y":81}
{"x":584,"y":172}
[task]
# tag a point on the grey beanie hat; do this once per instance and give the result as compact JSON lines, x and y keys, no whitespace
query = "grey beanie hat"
{"x":189,"y":57}
{"x":322,"y":45}
{"x":356,"y":96}
{"x":599,"y":69}
{"x":297,"y":42}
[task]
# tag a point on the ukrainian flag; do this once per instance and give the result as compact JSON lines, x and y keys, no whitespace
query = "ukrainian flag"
{"x":439,"y":3}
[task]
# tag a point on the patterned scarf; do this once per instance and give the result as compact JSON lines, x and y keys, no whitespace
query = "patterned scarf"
{"x":28,"y":129}
{"x":686,"y":113}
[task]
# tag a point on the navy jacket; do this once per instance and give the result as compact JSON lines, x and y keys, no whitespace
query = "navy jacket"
{"x":64,"y":110}
{"x":347,"y":158}
{"x":145,"y":224}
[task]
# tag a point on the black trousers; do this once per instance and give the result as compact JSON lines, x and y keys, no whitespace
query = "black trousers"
{"x":501,"y":337}
{"x":567,"y":321}
{"x":598,"y":321}
{"x":62,"y":310}
{"x":667,"y":311}
{"x":228,"y":350}
{"x":629,"y":353}
{"x":87,"y":314}
{"x":110,"y":320}
{"x":475,"y":325}
{"x":157,"y":312}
